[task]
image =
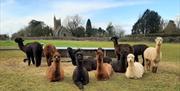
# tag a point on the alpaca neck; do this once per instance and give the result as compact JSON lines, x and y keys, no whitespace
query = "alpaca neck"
{"x":131,"y":65}
{"x":21,"y":46}
{"x":115,"y":43}
{"x":99,"y":63}
{"x":158,"y":48}
{"x":80,"y":65}
{"x":56,"y":65}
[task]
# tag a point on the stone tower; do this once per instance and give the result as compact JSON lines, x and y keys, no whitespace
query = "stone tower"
{"x":59,"y":30}
{"x":57,"y":23}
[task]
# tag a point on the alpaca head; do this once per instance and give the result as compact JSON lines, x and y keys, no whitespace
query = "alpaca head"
{"x":130,"y":58}
{"x":159,"y":41}
{"x":18,"y":40}
{"x":70,"y":50}
{"x":99,"y":55}
{"x":114,"y":38}
{"x":56,"y":57}
{"x":79,"y":57}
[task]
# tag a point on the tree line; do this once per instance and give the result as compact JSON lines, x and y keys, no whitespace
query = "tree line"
{"x":149,"y":23}
{"x":73,"y":24}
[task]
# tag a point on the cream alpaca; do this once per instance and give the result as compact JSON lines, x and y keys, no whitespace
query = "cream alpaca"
{"x":134,"y":69}
{"x":153,"y":55}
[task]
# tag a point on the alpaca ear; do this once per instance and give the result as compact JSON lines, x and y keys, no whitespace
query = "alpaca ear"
{"x":156,"y":40}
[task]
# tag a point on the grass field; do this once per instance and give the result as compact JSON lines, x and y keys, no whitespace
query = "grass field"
{"x":17,"y":76}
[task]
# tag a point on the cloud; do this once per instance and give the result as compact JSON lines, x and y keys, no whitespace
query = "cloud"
{"x":74,"y":7}
{"x":10,"y":22}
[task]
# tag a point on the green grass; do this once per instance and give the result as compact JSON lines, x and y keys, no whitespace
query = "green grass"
{"x":17,"y":76}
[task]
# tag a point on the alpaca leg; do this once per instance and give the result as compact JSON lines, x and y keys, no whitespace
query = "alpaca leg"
{"x":29,"y":62}
{"x":29,"y":59}
{"x":32,"y":58}
{"x":136,"y":58}
{"x":143,"y":59}
{"x":154,"y":68}
{"x":146,"y":65}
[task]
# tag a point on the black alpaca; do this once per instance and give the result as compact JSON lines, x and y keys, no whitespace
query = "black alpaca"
{"x":139,"y":50}
{"x":72,"y":53}
{"x":80,"y":74}
{"x":121,"y":51}
{"x":32,"y":50}
{"x":89,"y":63}
{"x":121,"y":64}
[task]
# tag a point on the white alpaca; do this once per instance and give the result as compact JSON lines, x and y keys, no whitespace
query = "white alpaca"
{"x":134,"y":69}
{"x":152,"y":56}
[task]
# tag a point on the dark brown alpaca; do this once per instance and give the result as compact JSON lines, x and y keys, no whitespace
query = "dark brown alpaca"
{"x":55,"y":72}
{"x":119,"y":47}
{"x":103,"y":70}
{"x":49,"y":51}
{"x":121,"y":51}
{"x":80,"y":74}
{"x":33,"y":51}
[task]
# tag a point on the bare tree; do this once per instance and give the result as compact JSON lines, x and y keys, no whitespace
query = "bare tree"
{"x":118,"y":29}
{"x":73,"y":22}
{"x":177,"y":22}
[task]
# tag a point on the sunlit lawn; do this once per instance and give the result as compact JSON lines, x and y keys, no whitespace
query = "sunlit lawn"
{"x":17,"y":76}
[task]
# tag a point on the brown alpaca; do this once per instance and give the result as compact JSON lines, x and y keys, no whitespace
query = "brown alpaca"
{"x":103,"y":70}
{"x":49,"y":50}
{"x":55,"y":72}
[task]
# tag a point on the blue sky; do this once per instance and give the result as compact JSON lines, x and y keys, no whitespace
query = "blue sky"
{"x":15,"y":14}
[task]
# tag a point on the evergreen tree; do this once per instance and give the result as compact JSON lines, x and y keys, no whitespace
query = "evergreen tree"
{"x":148,"y":23}
{"x":89,"y":31}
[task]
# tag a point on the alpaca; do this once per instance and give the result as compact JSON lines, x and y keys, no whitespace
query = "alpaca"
{"x":32,"y":50}
{"x":139,"y":50}
{"x":121,"y":64}
{"x":134,"y":69}
{"x":55,"y":72}
{"x":80,"y":74}
{"x":49,"y":50}
{"x":119,"y":47}
{"x":153,"y":55}
{"x":121,"y":51}
{"x":72,"y":53}
{"x":103,"y":70}
{"x":89,"y":63}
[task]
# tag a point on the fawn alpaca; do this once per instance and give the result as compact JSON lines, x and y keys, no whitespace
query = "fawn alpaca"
{"x":55,"y":72}
{"x":103,"y":70}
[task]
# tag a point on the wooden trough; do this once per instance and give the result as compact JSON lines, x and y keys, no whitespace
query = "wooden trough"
{"x":87,"y":51}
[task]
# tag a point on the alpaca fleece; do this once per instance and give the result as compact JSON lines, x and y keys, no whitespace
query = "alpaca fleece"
{"x":121,"y":64}
{"x":80,"y":75}
{"x":55,"y":72}
{"x":153,"y":55}
{"x":139,"y":50}
{"x":49,"y":51}
{"x":103,"y":70}
{"x":33,"y":51}
{"x":134,"y":69}
{"x":89,"y":63}
{"x":121,"y":51}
